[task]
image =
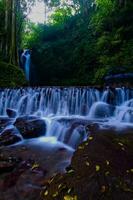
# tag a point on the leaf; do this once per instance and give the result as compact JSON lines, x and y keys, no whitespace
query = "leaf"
{"x":68,"y":197}
{"x":46,"y":193}
{"x":107,"y":162}
{"x":90,"y":138}
{"x":80,"y":147}
{"x":70,"y":171}
{"x":103,"y":188}
{"x":121,"y":144}
{"x":34,"y":166}
{"x":87,"y":163}
{"x":55,"y":194}
{"x":69,"y":190}
{"x":86,"y":143}
{"x":97,"y":168}
{"x":107,"y":173}
{"x":59,"y":186}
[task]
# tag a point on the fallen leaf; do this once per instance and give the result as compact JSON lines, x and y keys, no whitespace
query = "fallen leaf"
{"x":55,"y":194}
{"x":70,"y":171}
{"x":46,"y":193}
{"x":80,"y":147}
{"x":107,"y":162}
{"x":103,"y":188}
{"x":90,"y":138}
{"x":97,"y":168}
{"x":68,"y":197}
{"x":121,"y":144}
{"x":107,"y":173}
{"x":87,"y":163}
{"x":34,"y":166}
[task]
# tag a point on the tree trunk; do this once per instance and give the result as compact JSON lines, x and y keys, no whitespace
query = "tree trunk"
{"x":10,"y":32}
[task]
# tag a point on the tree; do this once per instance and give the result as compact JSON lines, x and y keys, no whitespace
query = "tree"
{"x":13,"y":12}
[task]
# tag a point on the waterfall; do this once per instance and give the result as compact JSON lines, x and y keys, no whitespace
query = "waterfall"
{"x":26,"y":57}
{"x":64,"y":109}
{"x":55,"y":101}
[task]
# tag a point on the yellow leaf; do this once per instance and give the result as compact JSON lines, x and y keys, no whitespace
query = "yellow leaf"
{"x":69,"y":191}
{"x":34,"y":166}
{"x":103,"y":188}
{"x":59,"y":186}
{"x":87,"y":163}
{"x":97,"y":168}
{"x":70,"y":171}
{"x":107,"y":173}
{"x":107,"y":162}
{"x":46,"y":193}
{"x":131,"y":170}
{"x":55,"y":194}
{"x":90,"y":138}
{"x":68,"y":197}
{"x":121,"y":144}
{"x":80,"y":147}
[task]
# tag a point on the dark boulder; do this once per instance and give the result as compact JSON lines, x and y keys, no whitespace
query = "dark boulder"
{"x":11,"y":113}
{"x":31,"y":127}
{"x":6,"y":166}
{"x":4,"y":122}
{"x":9,"y":136}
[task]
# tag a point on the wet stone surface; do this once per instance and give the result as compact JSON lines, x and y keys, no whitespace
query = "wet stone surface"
{"x":26,"y":168}
{"x":101,"y":168}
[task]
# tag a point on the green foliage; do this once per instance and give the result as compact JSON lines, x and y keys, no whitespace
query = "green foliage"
{"x":60,"y":16}
{"x":83,"y":42}
{"x":11,"y":76}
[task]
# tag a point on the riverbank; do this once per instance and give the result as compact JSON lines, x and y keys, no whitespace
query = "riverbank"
{"x":11,"y":76}
{"x":101,"y":168}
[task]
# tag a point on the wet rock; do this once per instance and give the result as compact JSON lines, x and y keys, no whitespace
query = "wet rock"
{"x":26,"y":118}
{"x":101,"y":110}
{"x":101,"y":167}
{"x":6,"y":167}
{"x":4,"y":121}
{"x":92,"y":128}
{"x":11,"y":113}
{"x":31,"y":127}
{"x":9,"y":136}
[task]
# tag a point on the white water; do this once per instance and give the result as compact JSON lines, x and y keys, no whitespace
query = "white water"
{"x":62,"y":107}
{"x":26,"y":55}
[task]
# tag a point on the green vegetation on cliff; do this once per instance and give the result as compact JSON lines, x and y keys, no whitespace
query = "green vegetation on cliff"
{"x":83,"y":42}
{"x":11,"y":76}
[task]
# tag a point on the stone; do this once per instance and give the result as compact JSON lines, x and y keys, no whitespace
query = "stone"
{"x":9,"y":136}
{"x":30,"y":127}
{"x":4,"y":122}
{"x":6,"y":166}
{"x":11,"y":113}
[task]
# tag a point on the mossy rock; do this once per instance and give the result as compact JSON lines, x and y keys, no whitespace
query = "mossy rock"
{"x":11,"y":76}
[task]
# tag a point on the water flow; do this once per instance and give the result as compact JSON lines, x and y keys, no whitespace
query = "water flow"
{"x":63,"y":109}
{"x":26,"y":57}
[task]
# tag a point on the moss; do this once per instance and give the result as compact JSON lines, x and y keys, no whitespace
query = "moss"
{"x":11,"y":76}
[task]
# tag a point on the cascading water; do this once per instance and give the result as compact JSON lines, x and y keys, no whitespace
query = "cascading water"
{"x":65,"y":110}
{"x":26,"y":56}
